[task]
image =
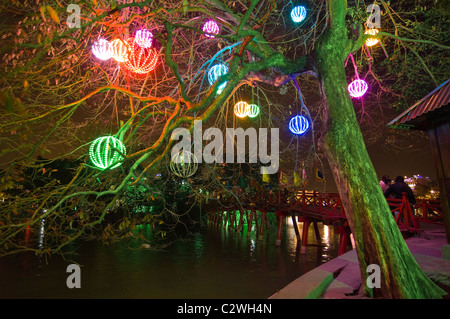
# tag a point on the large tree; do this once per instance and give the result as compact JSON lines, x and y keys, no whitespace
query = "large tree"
{"x":57,"y":98}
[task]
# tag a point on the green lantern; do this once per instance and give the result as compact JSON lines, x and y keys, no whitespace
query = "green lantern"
{"x":184,"y":164}
{"x":254,"y":111}
{"x":106,"y":152}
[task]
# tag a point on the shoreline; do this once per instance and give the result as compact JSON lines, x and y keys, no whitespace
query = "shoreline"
{"x":340,"y":277}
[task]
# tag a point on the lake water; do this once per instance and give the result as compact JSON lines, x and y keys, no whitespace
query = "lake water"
{"x":215,"y":263}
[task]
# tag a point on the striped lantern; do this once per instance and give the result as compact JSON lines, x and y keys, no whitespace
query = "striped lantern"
{"x":254,"y":111}
{"x":214,"y":73}
{"x":102,"y":49}
{"x":358,"y":88}
{"x":143,"y":38}
{"x":298,"y":124}
{"x":298,"y":14}
{"x":371,"y":41}
{"x":184,"y":164}
{"x":119,"y":50}
{"x":211,"y":27}
{"x":241,"y":109}
{"x":107,"y":152}
{"x":140,"y":60}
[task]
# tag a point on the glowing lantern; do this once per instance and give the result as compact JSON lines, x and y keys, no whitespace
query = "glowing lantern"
{"x":241,"y":109}
{"x":214,"y":73}
{"x":140,"y":60}
{"x":298,"y":14}
{"x":211,"y":27}
{"x":358,"y":88}
{"x":371,"y":41}
{"x":102,"y":49}
{"x":143,"y":38}
{"x":254,"y":110}
{"x":106,"y":152}
{"x":119,"y":50}
{"x":298,"y":125}
{"x":184,"y":164}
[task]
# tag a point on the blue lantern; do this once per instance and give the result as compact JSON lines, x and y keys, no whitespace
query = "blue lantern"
{"x":298,"y":14}
{"x":299,"y":125}
{"x":214,"y":73}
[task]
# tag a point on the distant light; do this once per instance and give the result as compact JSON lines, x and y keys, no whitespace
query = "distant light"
{"x":371,"y":41}
{"x":298,"y":125}
{"x":357,"y":88}
{"x":211,"y":27}
{"x":143,"y":38}
{"x":102,"y":49}
{"x":298,"y":14}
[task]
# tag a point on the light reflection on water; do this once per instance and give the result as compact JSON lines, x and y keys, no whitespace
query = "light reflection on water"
{"x":217,"y":263}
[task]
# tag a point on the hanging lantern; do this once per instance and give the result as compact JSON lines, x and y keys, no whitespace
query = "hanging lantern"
{"x":298,"y":124}
{"x":214,"y":73}
{"x":358,"y":88}
{"x":184,"y":164}
{"x":254,"y":110}
{"x":140,"y":60}
{"x":102,"y":49}
{"x":106,"y":152}
{"x":298,"y":14}
{"x":241,"y":109}
{"x":143,"y":38}
{"x":211,"y":27}
{"x":119,"y":50}
{"x":371,"y":41}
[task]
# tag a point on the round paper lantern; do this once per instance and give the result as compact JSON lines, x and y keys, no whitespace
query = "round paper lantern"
{"x":102,"y":49}
{"x":184,"y":164}
{"x":371,"y":41}
{"x":242,"y":109}
{"x":357,"y":88}
{"x":140,"y":60}
{"x":298,"y":14}
{"x":106,"y":152}
{"x":143,"y":38}
{"x":214,"y":73}
{"x":119,"y":50}
{"x":211,"y":27}
{"x":254,"y":111}
{"x":298,"y":124}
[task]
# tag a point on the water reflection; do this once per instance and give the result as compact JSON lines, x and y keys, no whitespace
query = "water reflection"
{"x":215,"y":263}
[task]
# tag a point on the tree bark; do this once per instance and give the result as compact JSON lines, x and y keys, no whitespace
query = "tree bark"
{"x":378,"y":238}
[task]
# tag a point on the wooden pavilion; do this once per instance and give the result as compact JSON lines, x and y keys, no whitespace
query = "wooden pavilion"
{"x":432,"y":114}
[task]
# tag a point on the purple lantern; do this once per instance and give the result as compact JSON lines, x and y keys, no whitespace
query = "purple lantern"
{"x":357,"y":88}
{"x":211,"y":27}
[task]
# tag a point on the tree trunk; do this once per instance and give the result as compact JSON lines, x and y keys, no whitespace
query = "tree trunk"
{"x":378,"y":238}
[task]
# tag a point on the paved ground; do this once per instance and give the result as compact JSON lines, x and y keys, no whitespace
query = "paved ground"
{"x":321,"y":283}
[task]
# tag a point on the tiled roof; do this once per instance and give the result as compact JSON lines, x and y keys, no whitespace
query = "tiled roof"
{"x":433,"y":101}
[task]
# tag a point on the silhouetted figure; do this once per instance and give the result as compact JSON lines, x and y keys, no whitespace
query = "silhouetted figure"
{"x":398,"y":188}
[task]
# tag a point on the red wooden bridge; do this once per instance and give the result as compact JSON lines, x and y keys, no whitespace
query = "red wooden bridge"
{"x":309,"y":208}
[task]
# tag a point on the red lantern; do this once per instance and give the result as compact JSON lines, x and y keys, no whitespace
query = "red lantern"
{"x":140,"y":60}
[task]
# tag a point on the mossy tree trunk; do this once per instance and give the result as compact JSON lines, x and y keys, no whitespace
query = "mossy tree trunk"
{"x":378,"y":238}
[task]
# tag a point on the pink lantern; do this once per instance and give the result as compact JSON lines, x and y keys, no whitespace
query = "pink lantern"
{"x":357,"y":88}
{"x":143,"y":38}
{"x":211,"y":27}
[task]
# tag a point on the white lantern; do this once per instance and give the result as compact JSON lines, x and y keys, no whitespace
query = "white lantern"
{"x":184,"y":164}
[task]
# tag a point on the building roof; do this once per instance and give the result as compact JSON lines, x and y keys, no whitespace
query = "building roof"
{"x":433,"y":101}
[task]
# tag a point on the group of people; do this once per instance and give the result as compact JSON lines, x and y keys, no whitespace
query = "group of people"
{"x":396,"y":189}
